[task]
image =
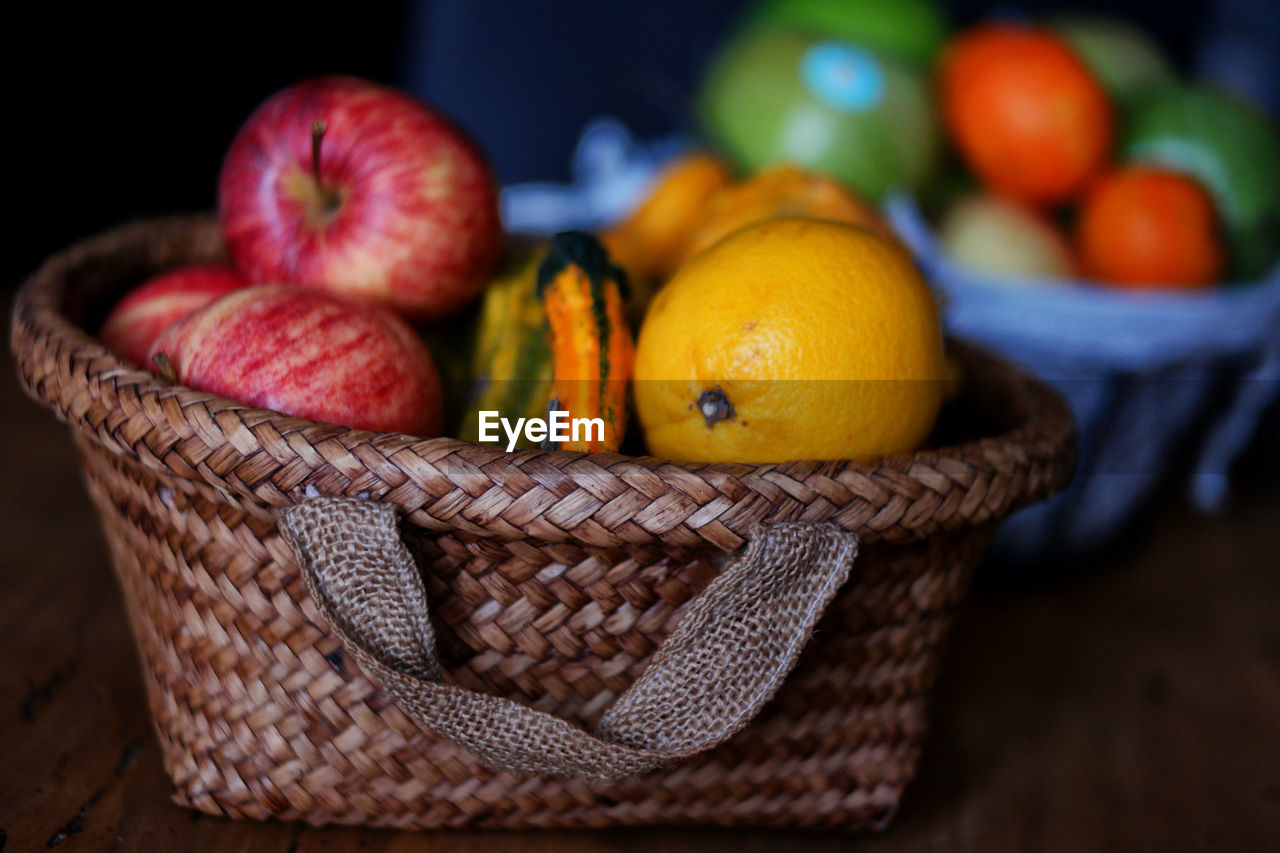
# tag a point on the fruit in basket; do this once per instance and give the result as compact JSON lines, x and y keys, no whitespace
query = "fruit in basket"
{"x":995,"y":235}
{"x":775,"y":95}
{"x":511,"y":358}
{"x":591,"y":347}
{"x":694,"y":205}
{"x":1124,"y":59}
{"x":790,"y":339}
{"x":650,"y":242}
{"x":911,"y":30}
{"x":780,"y":191}
{"x":1145,"y":227}
{"x":1231,"y":147}
{"x":1024,"y":112}
{"x":357,"y":189}
{"x":307,"y":353}
{"x":162,"y":300}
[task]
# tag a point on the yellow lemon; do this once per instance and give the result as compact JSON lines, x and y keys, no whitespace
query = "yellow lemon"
{"x":791,"y":339}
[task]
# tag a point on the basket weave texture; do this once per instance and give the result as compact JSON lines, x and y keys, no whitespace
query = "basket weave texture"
{"x":552,"y":577}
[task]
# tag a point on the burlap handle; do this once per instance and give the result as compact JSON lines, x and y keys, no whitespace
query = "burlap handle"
{"x":734,"y":645}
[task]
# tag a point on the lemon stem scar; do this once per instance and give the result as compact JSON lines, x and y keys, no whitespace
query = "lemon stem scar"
{"x":715,"y":406}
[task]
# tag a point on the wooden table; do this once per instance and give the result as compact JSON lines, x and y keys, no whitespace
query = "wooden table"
{"x":1134,"y":706}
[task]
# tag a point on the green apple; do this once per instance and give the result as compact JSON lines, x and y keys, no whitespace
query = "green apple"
{"x":1125,"y":60}
{"x":1227,"y":144}
{"x":773,"y":95}
{"x":910,"y":30}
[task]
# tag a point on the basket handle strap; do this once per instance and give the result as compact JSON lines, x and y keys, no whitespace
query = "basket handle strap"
{"x":734,"y":645}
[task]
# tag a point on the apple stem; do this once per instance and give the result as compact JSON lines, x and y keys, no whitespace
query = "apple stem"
{"x":318,"y":128}
{"x":165,"y":366}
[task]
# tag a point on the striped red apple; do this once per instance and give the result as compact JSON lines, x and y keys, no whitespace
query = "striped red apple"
{"x":307,"y":353}
{"x":159,"y":302}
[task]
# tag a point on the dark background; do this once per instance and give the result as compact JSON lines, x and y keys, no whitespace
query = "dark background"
{"x":121,"y":115}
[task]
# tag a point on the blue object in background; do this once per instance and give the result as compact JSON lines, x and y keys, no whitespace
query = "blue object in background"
{"x":843,"y":76}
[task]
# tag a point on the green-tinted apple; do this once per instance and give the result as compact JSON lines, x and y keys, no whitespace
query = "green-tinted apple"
{"x":910,"y":30}
{"x":779,"y":95}
{"x":1231,"y":147}
{"x":1125,"y":60}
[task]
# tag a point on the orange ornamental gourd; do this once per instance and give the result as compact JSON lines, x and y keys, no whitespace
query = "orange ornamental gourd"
{"x":591,"y":345}
{"x":653,"y":240}
{"x":780,"y":192}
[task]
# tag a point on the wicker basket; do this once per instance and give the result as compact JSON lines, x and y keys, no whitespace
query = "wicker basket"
{"x":552,"y":576}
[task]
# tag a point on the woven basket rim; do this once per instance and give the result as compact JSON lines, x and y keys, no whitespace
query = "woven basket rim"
{"x":446,"y":483}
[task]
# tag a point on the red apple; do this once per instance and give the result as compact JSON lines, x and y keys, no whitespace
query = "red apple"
{"x":159,"y":302}
{"x":354,"y":188}
{"x":307,"y":353}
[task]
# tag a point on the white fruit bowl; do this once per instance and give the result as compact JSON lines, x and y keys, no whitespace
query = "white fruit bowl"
{"x":1153,"y":378}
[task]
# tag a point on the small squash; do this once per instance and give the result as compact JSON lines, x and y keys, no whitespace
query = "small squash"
{"x":592,"y":349}
{"x":511,"y":358}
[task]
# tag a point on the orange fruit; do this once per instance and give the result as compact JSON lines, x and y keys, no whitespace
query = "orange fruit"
{"x":650,"y":242}
{"x":791,"y":339}
{"x":1147,"y":227}
{"x":781,"y":191}
{"x":1025,"y":113}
